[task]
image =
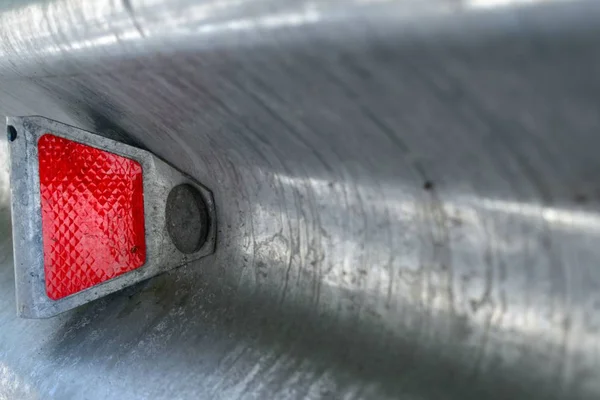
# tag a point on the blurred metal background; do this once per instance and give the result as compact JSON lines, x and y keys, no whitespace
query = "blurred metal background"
{"x":407,"y":192}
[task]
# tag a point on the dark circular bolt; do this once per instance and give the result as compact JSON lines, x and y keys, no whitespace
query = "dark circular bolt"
{"x":187,"y":218}
{"x":11,"y":133}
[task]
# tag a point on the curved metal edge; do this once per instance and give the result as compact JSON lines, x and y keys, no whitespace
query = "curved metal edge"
{"x":158,"y":180}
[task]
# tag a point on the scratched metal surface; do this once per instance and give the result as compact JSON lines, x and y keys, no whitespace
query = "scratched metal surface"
{"x":407,"y":191}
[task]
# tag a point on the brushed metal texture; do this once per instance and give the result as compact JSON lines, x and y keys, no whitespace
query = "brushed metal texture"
{"x":407,"y":197}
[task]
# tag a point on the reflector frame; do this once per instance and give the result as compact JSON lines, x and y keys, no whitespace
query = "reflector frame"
{"x":159,"y":179}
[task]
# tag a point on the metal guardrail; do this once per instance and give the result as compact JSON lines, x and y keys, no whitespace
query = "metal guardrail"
{"x":406,"y":194}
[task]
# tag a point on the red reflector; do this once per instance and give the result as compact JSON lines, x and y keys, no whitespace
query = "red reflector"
{"x":92,"y":215}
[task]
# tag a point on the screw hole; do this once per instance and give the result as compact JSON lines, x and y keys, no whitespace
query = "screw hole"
{"x":11,"y":133}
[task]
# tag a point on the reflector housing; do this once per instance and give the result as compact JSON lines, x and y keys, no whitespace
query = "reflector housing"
{"x":91,"y":216}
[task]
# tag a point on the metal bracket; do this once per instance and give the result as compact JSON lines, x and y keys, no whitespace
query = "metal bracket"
{"x":163,"y":243}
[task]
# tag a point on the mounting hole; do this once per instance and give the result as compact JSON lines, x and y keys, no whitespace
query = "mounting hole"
{"x":11,"y":133}
{"x":187,"y":218}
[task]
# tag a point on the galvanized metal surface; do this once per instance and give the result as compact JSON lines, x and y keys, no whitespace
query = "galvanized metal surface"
{"x":407,"y":195}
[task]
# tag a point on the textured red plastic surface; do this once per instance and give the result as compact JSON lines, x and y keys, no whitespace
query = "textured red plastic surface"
{"x":92,"y":215}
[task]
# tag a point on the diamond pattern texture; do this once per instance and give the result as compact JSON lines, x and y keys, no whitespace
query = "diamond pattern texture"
{"x":92,"y":215}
